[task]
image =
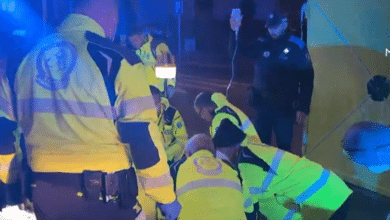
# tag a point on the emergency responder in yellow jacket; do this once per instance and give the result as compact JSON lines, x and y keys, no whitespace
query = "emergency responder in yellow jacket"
{"x":80,"y":102}
{"x":285,"y":185}
{"x":213,"y":107}
{"x":208,"y":188}
{"x":172,"y":127}
{"x":150,"y":50}
{"x":10,"y":152}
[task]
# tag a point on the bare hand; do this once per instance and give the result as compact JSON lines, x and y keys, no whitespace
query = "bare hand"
{"x":300,"y":118}
{"x":166,"y":59}
{"x":27,"y":206}
{"x":235,"y":23}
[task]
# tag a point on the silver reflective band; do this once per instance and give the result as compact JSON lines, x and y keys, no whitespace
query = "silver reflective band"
{"x":309,"y":192}
{"x":270,"y":175}
{"x":89,"y":109}
{"x":248,"y":203}
{"x":246,"y":124}
{"x":208,"y":183}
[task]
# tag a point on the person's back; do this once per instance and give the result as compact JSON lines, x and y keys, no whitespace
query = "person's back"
{"x":242,"y":120}
{"x":64,"y":107}
{"x":208,"y":188}
{"x":82,"y":101}
{"x":291,"y":182}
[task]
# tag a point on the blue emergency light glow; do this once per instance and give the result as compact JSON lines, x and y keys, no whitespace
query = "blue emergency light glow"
{"x":20,"y":33}
{"x":165,"y":72}
{"x":7,"y":5}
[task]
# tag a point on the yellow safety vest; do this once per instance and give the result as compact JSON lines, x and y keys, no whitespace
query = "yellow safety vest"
{"x":66,"y":113}
{"x":293,"y":188}
{"x":172,"y":127}
{"x":10,"y":164}
{"x":236,"y":116}
{"x":208,"y":188}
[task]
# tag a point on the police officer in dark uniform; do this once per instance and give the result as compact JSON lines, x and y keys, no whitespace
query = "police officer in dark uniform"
{"x":283,"y":81}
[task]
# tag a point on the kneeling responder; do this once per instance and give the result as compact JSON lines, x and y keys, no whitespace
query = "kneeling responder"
{"x":152,"y":51}
{"x":285,"y":186}
{"x":10,"y":152}
{"x":80,"y":104}
{"x":214,"y":107}
{"x":171,"y":125}
{"x":208,"y":188}
{"x":173,"y":130}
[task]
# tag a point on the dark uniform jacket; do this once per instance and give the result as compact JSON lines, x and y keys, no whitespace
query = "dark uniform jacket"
{"x":283,"y":73}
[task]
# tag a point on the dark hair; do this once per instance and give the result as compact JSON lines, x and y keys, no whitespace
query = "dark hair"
{"x":203,"y":99}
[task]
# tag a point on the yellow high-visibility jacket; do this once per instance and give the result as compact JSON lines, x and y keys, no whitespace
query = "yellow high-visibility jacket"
{"x":239,"y":118}
{"x":10,"y":162}
{"x":285,"y":185}
{"x":172,"y":127}
{"x":148,"y":54}
{"x":70,"y":99}
{"x":292,"y":188}
{"x":207,"y":188}
{"x":175,"y":135}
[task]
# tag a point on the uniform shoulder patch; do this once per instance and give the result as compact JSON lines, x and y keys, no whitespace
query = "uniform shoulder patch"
{"x":55,"y":63}
{"x":297,"y":41}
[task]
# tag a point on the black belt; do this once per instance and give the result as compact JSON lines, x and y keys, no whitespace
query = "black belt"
{"x":118,"y":187}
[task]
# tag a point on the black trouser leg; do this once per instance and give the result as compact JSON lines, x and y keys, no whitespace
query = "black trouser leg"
{"x":342,"y":212}
{"x":264,"y":123}
{"x":283,"y":128}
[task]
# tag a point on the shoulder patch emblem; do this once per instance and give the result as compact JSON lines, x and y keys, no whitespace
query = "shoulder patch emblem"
{"x":208,"y":166}
{"x":54,"y":64}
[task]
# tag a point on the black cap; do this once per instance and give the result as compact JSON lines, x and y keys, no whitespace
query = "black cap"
{"x":275,"y":19}
{"x":228,"y":135}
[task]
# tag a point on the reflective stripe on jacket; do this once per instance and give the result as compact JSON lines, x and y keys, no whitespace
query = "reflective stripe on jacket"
{"x":174,"y":131}
{"x":293,"y":188}
{"x":208,"y":188}
{"x":246,"y":125}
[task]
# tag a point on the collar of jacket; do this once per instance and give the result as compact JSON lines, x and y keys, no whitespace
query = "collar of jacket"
{"x":203,"y":153}
{"x":79,"y":22}
{"x":220,"y":100}
{"x":285,"y":36}
{"x":146,"y":45}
